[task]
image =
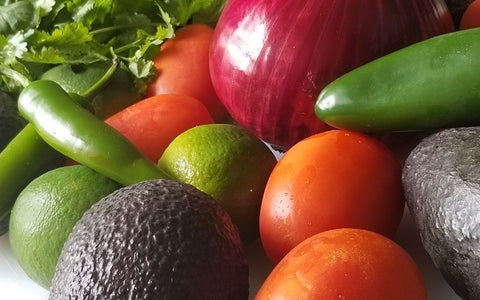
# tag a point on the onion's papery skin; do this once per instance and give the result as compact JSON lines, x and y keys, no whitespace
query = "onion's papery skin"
{"x":270,"y":59}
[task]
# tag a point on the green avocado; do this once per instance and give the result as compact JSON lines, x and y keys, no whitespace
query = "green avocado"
{"x":441,"y":178}
{"x":10,"y":121}
{"x":157,"y":239}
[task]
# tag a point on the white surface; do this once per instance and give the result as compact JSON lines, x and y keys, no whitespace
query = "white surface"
{"x":15,"y":285}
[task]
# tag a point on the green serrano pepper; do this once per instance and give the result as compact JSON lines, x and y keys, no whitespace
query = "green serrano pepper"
{"x":24,"y":158}
{"x":27,"y":155}
{"x":75,"y":132}
{"x":432,"y":84}
{"x":20,"y":163}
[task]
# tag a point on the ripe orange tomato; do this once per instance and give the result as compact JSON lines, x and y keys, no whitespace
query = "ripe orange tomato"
{"x":333,"y":179}
{"x":183,"y":68}
{"x":345,"y":263}
{"x":471,"y":16}
{"x":152,"y":123}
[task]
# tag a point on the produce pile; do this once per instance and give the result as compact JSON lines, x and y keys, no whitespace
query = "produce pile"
{"x":138,"y":144}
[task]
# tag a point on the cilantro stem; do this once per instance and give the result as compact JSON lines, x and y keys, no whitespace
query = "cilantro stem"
{"x":116,"y":28}
{"x":126,"y":47}
{"x":93,"y":90}
{"x":119,"y":27}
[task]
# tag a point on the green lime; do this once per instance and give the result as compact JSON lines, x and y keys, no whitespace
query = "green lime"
{"x":227,"y":162}
{"x":119,"y":92}
{"x":45,"y":213}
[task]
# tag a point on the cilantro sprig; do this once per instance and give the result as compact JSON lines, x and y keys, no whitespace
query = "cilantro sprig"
{"x":36,"y":35}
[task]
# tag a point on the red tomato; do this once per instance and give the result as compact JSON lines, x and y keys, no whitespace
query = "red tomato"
{"x":471,"y":16}
{"x":345,"y":264}
{"x":183,"y":68}
{"x":151,"y":124}
{"x":330,"y":180}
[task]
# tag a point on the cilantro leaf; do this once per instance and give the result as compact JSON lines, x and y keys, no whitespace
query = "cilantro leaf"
{"x":89,"y":11}
{"x":17,"y":16}
{"x":70,"y":34}
{"x":201,"y":11}
{"x":15,"y":80}
{"x":80,"y":54}
{"x":44,"y":6}
{"x":71,"y":43}
{"x":36,"y":35}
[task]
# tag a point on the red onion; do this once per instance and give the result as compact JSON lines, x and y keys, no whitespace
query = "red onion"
{"x":270,"y":58}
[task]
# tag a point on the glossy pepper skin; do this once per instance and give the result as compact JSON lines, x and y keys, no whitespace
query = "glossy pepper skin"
{"x":23,"y":159}
{"x":78,"y":134}
{"x":431,"y":84}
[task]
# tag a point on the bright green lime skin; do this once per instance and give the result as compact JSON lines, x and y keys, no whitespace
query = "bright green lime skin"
{"x":118,"y":93}
{"x":228,"y":163}
{"x":46,"y":211}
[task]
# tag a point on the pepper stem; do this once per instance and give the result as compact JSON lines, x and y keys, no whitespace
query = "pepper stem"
{"x":102,"y":82}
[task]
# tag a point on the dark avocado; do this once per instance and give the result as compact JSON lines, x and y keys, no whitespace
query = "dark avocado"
{"x":441,"y":179}
{"x":10,"y":121}
{"x":158,"y":239}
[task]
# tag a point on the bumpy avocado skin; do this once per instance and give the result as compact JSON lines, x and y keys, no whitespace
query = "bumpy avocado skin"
{"x":10,"y":121}
{"x":441,"y":179}
{"x":158,"y":239}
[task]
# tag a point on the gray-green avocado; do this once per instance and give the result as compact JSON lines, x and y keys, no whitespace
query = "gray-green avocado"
{"x":10,"y":121}
{"x":158,"y":239}
{"x":441,"y":179}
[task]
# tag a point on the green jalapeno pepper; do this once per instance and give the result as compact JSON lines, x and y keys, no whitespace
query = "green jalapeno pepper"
{"x":431,"y":84}
{"x":25,"y":157}
{"x":78,"y":134}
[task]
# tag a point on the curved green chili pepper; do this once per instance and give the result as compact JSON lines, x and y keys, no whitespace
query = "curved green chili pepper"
{"x":80,"y":135}
{"x":431,"y":84}
{"x":28,"y":155}
{"x":25,"y":157}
